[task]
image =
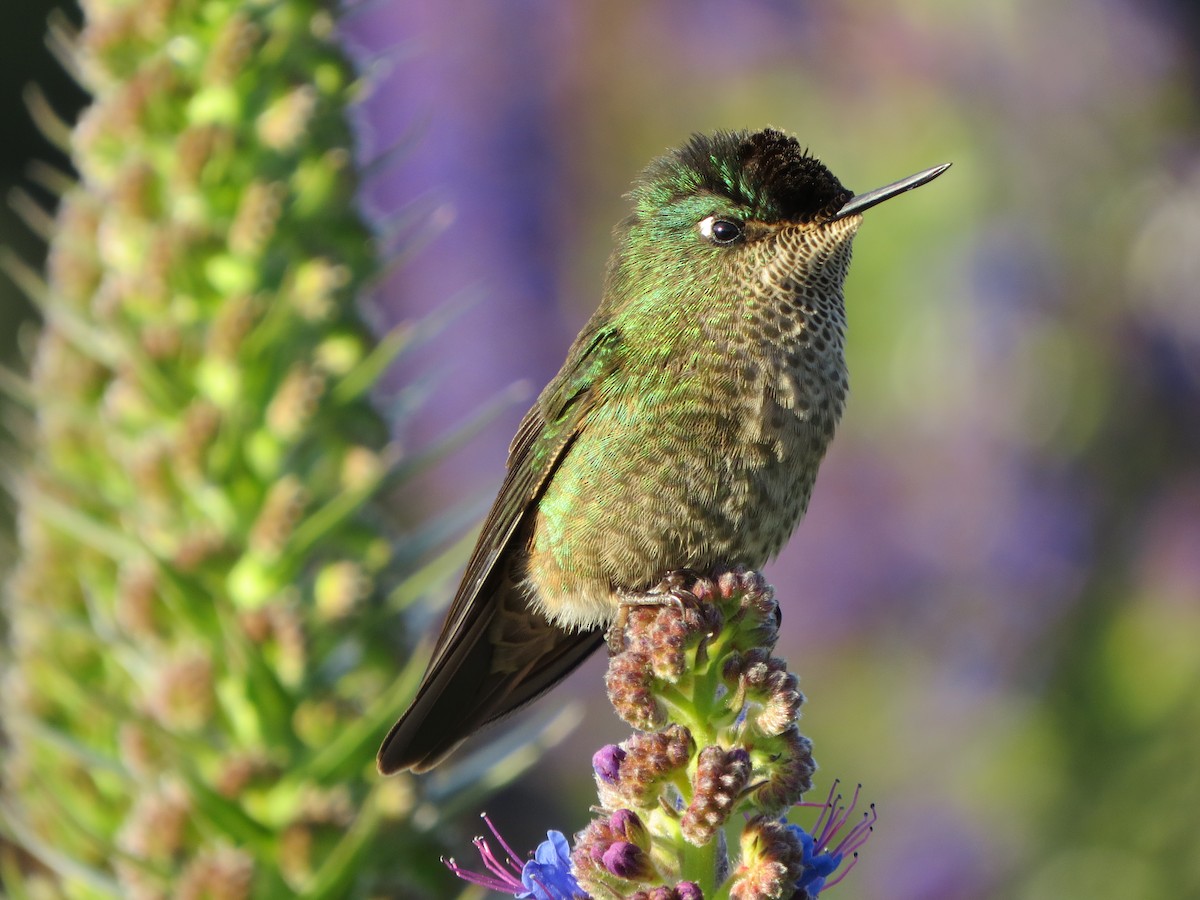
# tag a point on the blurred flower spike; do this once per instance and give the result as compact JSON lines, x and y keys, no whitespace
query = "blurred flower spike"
{"x":545,"y":877}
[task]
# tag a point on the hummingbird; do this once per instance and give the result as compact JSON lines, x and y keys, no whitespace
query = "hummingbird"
{"x":684,"y":430}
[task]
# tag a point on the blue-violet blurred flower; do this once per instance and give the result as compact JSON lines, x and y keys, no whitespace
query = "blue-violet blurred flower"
{"x":545,"y":877}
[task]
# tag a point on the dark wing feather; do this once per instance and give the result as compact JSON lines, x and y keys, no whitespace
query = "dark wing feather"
{"x":466,"y":686}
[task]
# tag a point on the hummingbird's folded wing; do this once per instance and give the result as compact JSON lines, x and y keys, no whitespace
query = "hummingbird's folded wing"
{"x":493,"y":655}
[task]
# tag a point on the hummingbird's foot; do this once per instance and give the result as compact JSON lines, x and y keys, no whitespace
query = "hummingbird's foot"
{"x":615,"y":636}
{"x":668,"y":592}
{"x":653,"y":597}
{"x":627,"y":601}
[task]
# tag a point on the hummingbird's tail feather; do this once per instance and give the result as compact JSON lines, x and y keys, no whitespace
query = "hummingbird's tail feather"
{"x":506,"y":657}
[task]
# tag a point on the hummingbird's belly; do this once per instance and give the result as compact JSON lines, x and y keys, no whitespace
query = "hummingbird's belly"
{"x":640,"y":494}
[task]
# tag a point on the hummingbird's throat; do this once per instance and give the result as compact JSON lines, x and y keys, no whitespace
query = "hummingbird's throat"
{"x":810,"y":262}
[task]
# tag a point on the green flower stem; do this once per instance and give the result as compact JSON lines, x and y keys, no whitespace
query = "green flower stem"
{"x":698,"y":864}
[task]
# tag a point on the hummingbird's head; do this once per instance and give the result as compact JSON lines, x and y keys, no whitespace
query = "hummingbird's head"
{"x":730,"y":215}
{"x":729,"y":210}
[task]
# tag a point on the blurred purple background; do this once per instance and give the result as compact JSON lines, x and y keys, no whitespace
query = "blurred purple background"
{"x":994,"y":603}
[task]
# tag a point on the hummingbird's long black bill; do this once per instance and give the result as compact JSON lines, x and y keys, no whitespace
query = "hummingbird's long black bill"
{"x":871,"y":198}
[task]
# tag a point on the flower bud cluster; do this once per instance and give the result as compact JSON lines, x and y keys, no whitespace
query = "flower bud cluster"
{"x":695,"y":658}
{"x":615,"y":848}
{"x":636,"y":774}
{"x":693,"y":670}
{"x":772,"y":861}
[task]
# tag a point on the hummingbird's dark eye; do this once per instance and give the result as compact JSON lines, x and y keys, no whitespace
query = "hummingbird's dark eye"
{"x":721,"y":231}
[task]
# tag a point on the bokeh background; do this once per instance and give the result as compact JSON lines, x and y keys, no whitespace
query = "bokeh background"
{"x":994,"y":602}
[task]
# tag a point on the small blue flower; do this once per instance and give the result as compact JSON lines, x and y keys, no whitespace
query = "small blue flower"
{"x":545,"y":877}
{"x":548,"y":875}
{"x":822,"y":856}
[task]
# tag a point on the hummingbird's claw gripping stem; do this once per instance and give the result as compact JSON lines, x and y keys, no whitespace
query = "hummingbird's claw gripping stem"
{"x":666,"y":593}
{"x":615,"y":637}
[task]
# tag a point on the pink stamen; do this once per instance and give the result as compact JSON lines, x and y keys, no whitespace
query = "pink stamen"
{"x":842,"y":874}
{"x":814,"y":804}
{"x":859,"y":834}
{"x":833,"y":818}
{"x":505,"y":885}
{"x":826,"y":808}
{"x":837,"y":820}
{"x":490,"y":860}
{"x":503,"y":876}
{"x":512,"y":854}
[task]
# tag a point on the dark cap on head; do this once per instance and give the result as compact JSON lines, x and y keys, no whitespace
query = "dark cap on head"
{"x":768,"y":172}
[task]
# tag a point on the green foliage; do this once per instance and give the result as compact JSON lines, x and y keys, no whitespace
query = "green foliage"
{"x":202,"y":651}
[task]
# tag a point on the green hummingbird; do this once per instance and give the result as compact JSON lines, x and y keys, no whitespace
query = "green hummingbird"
{"x":684,"y":430}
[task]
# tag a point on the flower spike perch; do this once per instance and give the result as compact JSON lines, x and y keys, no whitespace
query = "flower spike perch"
{"x":718,"y":760}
